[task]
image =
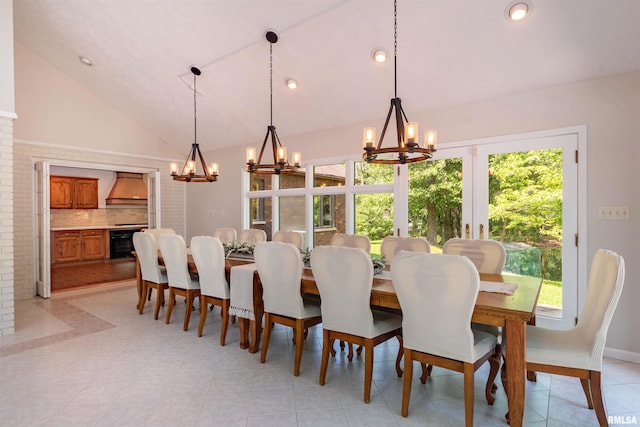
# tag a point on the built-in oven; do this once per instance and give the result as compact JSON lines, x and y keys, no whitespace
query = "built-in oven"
{"x":121,"y":243}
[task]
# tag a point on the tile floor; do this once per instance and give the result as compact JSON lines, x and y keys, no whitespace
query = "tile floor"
{"x":87,"y":358}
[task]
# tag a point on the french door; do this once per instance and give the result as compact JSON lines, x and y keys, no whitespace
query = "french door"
{"x":522,"y":193}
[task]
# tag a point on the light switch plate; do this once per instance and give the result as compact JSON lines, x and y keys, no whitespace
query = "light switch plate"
{"x":613,"y":212}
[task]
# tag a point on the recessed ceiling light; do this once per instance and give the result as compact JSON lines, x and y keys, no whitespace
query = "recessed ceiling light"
{"x":517,"y":11}
{"x":379,"y":55}
{"x":86,"y":61}
{"x":291,"y":83}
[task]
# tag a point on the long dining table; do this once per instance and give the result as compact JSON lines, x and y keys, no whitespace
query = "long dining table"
{"x":511,"y":312}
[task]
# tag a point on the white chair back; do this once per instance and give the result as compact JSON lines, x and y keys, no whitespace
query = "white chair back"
{"x":441,"y":291}
{"x":351,"y":241}
{"x":280,"y":268}
{"x":487,"y":255}
{"x":156,"y":232}
{"x":147,"y":253}
{"x":174,"y":253}
{"x":606,"y":281}
{"x":344,"y":277}
{"x":252,"y":236}
{"x":208,"y":255}
{"x":226,"y":235}
{"x":292,"y":237}
{"x":391,"y":245}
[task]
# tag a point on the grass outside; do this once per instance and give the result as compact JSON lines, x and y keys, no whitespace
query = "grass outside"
{"x":550,"y":294}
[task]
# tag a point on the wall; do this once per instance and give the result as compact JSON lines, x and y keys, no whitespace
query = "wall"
{"x":7,"y":116}
{"x":61,"y":121}
{"x":610,"y":107}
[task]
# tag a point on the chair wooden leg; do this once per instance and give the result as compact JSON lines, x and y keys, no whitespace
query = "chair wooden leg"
{"x":426,"y":371}
{"x":187,"y":313}
{"x":468,"y":394}
{"x":368,"y":370}
{"x":299,"y":334}
{"x":149,"y":294}
{"x":596,"y":393}
{"x":172,"y":302}
{"x":399,"y":356}
{"x":327,"y":343}
{"x":406,"y":382}
{"x":331,"y":349}
{"x":225,"y":321}
{"x":159,"y":301}
{"x":350,"y":353}
{"x":268,"y":325}
{"x":203,"y":316}
{"x":141,"y":300}
{"x":587,"y":392}
{"x":494,"y":362}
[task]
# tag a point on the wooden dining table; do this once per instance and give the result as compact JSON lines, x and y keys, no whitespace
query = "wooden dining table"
{"x":511,"y":312}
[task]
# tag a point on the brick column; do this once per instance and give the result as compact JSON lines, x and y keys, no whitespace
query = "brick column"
{"x":7,"y":311}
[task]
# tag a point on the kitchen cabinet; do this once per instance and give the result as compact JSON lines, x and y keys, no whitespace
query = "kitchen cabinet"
{"x":93,"y":244}
{"x":73,"y":193}
{"x":85,"y":245}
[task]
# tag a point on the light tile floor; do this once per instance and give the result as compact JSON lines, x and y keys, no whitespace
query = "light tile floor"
{"x":87,"y":358}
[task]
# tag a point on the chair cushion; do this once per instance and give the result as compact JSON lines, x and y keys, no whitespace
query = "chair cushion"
{"x":560,"y":348}
{"x":483,"y":342}
{"x":384,"y":322}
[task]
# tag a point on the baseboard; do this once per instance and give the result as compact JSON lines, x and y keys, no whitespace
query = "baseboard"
{"x":627,"y":356}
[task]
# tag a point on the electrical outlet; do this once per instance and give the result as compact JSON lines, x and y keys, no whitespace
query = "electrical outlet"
{"x":613,"y":212}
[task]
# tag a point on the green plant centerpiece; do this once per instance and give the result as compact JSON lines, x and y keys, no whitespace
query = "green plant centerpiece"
{"x":243,"y":250}
{"x":378,"y":262}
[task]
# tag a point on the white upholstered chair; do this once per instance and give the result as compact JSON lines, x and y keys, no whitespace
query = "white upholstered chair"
{"x":487,"y":255}
{"x":252,"y":236}
{"x":286,"y":236}
{"x":280,"y":268}
{"x":226,"y":235}
{"x":444,"y":298}
{"x":578,"y":352}
{"x":153,"y":275}
{"x":391,"y":245}
{"x":344,"y":277}
{"x":174,"y":253}
{"x":156,"y":232}
{"x":208,"y":255}
{"x":351,"y":241}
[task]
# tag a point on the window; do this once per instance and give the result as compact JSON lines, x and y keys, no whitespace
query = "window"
{"x":323,"y":214}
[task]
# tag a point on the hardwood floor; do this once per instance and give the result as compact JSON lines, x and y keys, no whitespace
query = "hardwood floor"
{"x":72,"y":276}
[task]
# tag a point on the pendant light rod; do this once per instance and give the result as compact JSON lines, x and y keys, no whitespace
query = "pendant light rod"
{"x":407,"y":149}
{"x":188,"y":172}
{"x":280,"y":164}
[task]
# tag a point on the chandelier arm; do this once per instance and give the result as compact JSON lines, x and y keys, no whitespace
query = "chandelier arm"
{"x":202,"y":162}
{"x":399,"y":122}
{"x":386,"y":123}
{"x":274,"y":145}
{"x":271,"y":83}
{"x":264,"y":144}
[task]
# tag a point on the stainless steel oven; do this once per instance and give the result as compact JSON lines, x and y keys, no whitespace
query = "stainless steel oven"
{"x":121,"y":243}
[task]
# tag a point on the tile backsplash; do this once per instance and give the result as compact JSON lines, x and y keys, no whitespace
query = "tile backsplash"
{"x":97,"y":217}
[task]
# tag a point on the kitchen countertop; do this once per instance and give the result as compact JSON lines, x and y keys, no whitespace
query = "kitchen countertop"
{"x":100,"y":227}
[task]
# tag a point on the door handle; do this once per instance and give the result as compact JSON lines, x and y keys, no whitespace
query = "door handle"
{"x":467,"y":231}
{"x":481,"y":231}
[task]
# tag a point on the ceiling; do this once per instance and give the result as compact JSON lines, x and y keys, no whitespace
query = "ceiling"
{"x":449,"y":52}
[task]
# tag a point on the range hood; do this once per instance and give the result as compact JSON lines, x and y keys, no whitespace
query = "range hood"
{"x":129,"y":189}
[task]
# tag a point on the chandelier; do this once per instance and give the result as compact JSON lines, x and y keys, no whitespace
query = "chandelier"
{"x":407,"y":150}
{"x":279,"y":164}
{"x":190,"y":167}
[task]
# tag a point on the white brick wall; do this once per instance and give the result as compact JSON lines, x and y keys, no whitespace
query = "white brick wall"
{"x":7,"y":315}
{"x":172,"y":199}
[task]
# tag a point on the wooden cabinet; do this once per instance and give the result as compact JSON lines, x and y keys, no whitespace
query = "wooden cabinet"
{"x":85,"y":245}
{"x":93,"y":244}
{"x":73,"y":193}
{"x":66,"y":246}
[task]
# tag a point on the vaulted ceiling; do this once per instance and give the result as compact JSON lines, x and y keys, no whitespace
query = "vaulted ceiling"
{"x":449,"y":52}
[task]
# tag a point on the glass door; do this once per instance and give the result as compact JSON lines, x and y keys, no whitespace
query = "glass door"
{"x":42,"y":227}
{"x":525,"y":196}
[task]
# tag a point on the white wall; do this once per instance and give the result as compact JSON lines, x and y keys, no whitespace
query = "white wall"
{"x":55,"y":109}
{"x":610,"y":107}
